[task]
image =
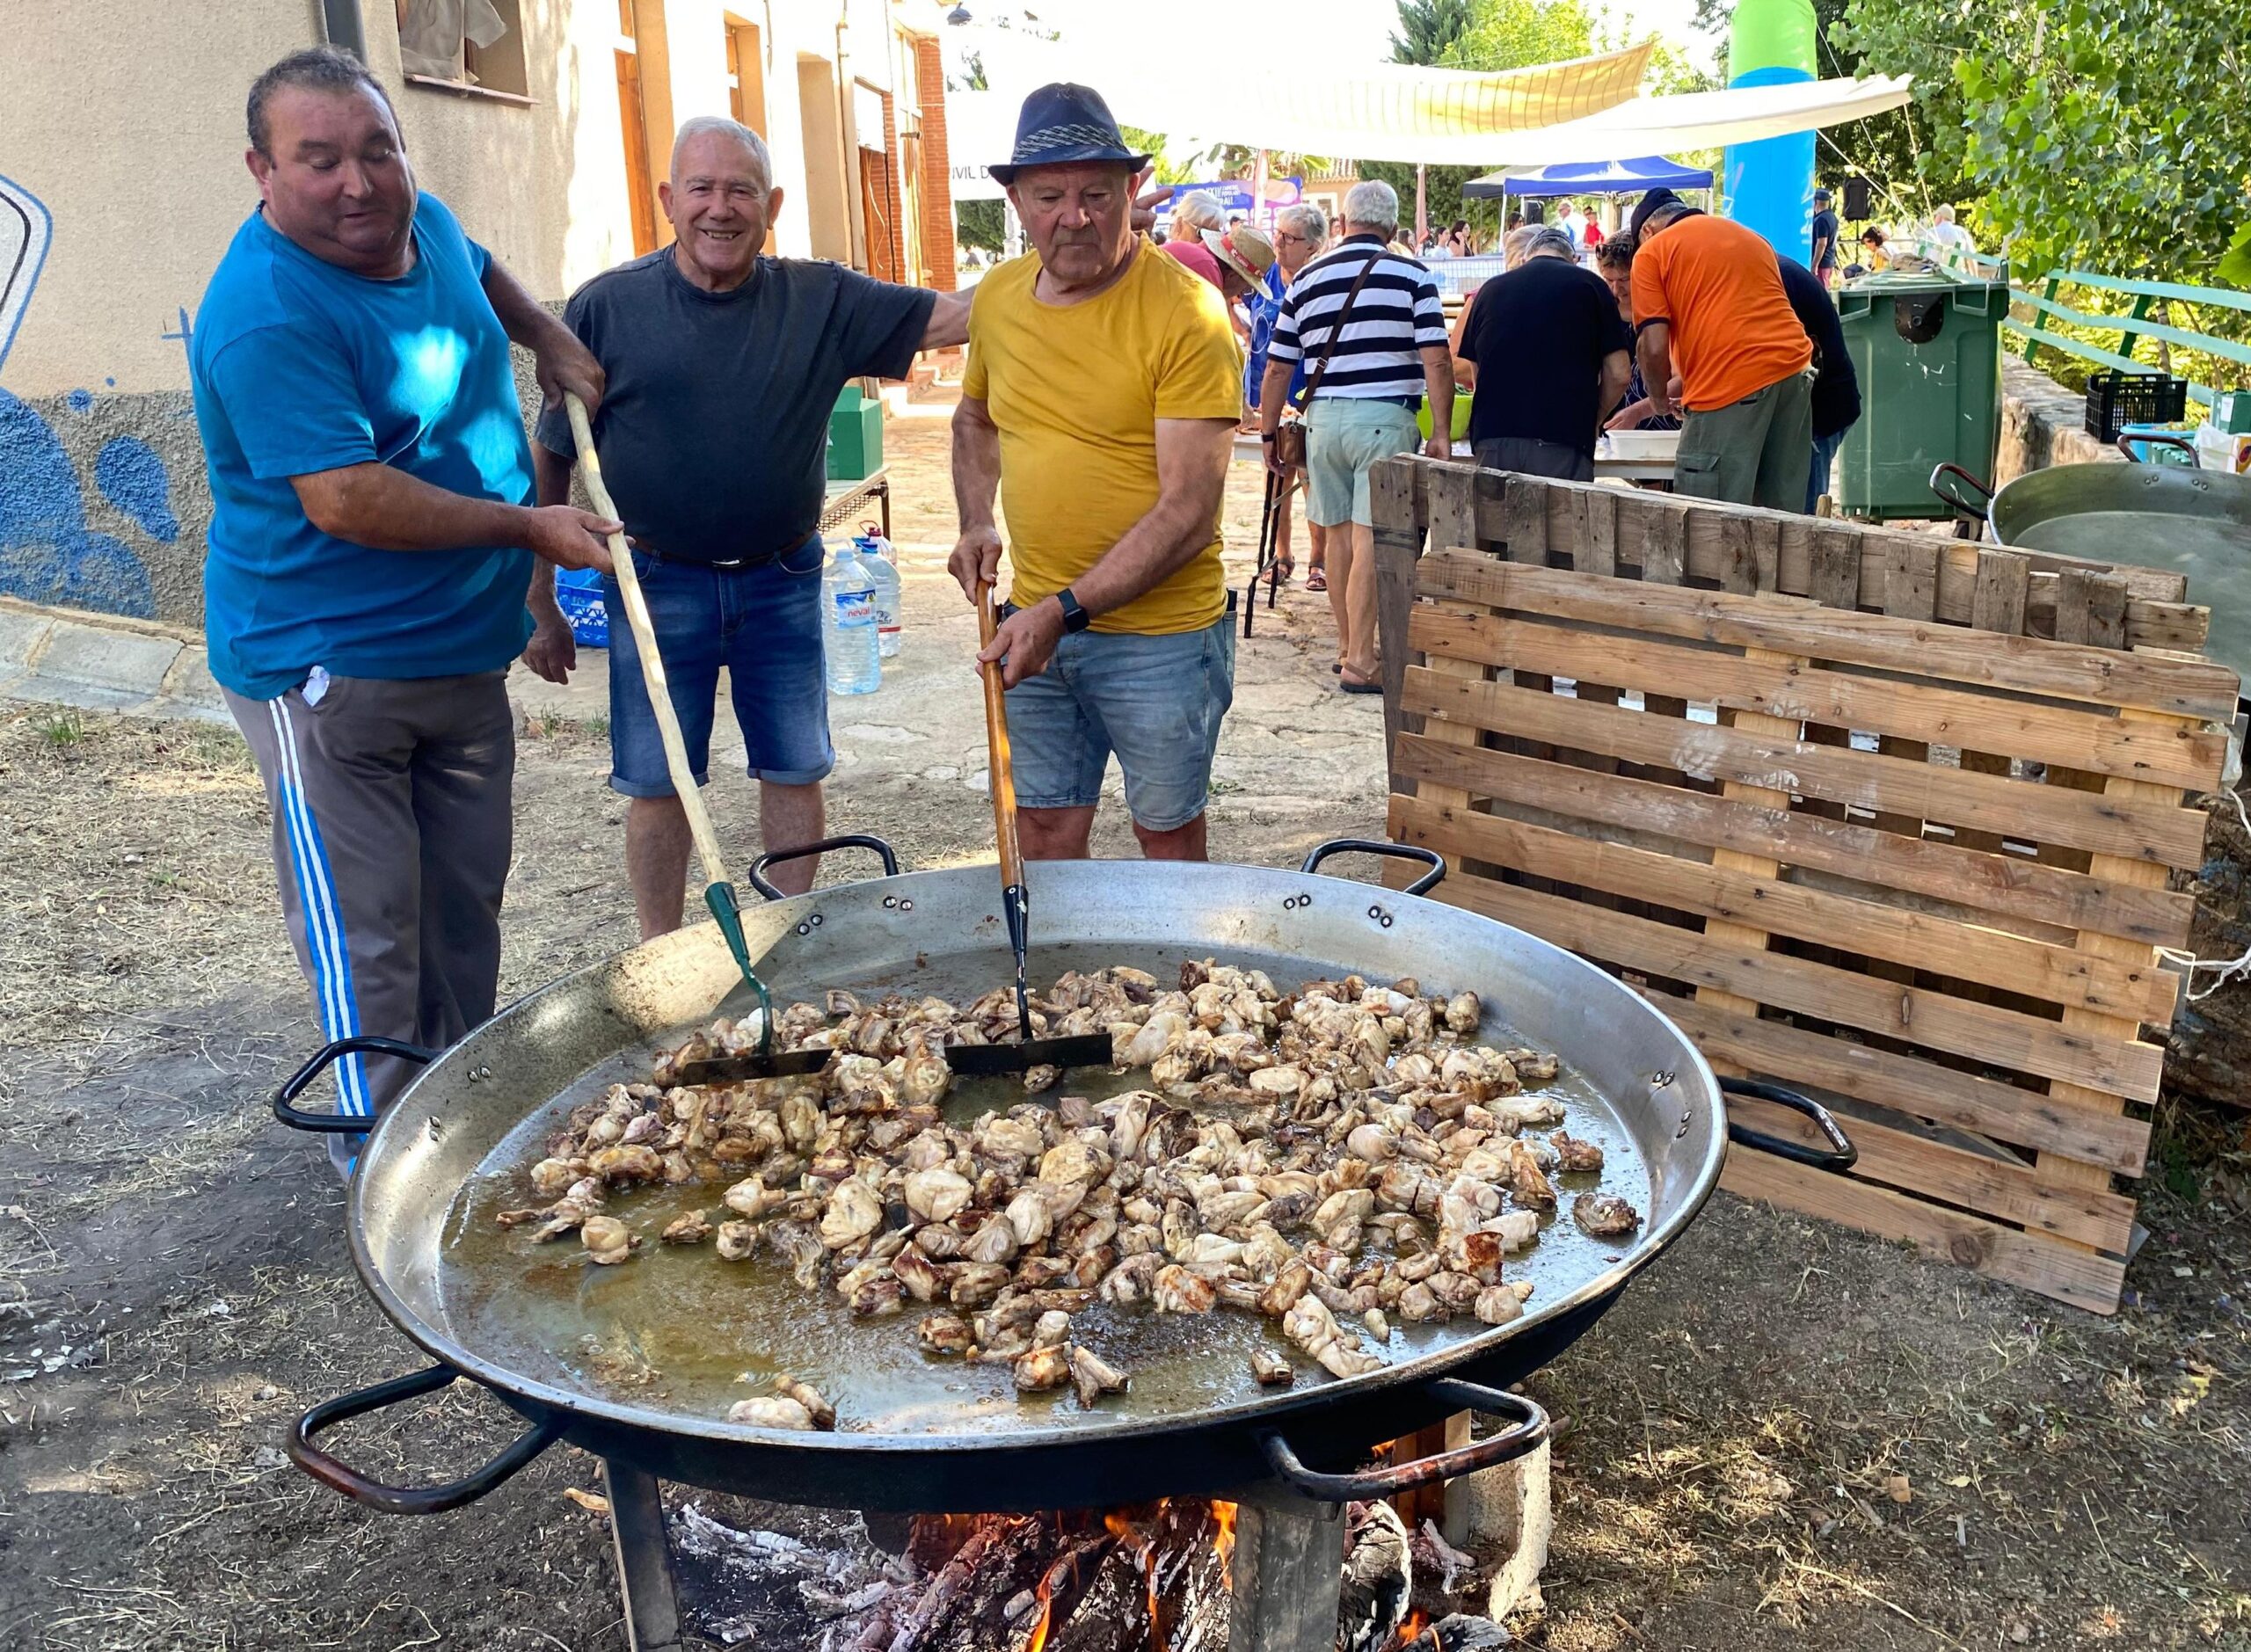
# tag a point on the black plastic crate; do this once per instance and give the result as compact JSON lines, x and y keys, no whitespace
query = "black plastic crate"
{"x":2115,"y":400}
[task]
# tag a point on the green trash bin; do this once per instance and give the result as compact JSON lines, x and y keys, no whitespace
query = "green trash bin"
{"x":1926,"y":351}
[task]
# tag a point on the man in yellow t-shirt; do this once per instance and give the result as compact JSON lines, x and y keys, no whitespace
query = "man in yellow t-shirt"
{"x":1101,"y":400}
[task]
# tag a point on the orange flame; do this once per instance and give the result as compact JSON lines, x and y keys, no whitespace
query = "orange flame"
{"x":1044,"y":1593}
{"x":1223,"y":1517}
{"x":1412,"y":1631}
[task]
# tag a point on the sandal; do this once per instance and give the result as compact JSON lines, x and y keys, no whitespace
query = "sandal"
{"x":1347,"y":685}
{"x":1318,"y":579}
{"x":1284,"y":569}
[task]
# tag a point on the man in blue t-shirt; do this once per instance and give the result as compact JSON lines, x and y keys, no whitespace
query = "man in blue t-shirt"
{"x":370,"y":552}
{"x":721,"y":366}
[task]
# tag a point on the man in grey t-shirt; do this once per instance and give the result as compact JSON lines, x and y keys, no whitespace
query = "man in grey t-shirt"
{"x":723,"y":367}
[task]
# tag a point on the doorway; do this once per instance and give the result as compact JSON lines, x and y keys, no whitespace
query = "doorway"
{"x":633,"y":124}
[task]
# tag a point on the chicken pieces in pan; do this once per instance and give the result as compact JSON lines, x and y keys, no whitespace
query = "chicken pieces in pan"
{"x":1338,"y":1160}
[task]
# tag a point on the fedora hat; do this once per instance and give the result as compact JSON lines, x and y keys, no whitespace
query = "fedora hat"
{"x":1244,"y":250}
{"x":1062,"y":124}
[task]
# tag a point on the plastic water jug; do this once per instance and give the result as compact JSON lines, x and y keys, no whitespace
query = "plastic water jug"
{"x":848,"y":635}
{"x":877,"y":557}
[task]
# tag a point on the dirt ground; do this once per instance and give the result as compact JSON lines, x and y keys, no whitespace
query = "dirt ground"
{"x":1785,"y":1435}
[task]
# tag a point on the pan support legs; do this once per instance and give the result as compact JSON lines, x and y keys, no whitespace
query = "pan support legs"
{"x":1289,"y":1551}
{"x":637,"y":1526}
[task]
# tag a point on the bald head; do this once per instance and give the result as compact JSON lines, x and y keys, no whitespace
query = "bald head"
{"x":704,"y":138}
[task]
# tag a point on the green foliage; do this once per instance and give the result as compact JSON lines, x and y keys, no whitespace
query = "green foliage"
{"x":2112,"y":134}
{"x":1521,"y":34}
{"x":60,"y":730}
{"x":1483,"y":35}
{"x":1427,"y":28}
{"x":1169,"y":170}
{"x":2104,"y":135}
{"x":979,"y":223}
{"x":2235,"y":264}
{"x":1912,"y":156}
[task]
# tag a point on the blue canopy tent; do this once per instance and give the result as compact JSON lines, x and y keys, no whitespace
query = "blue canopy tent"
{"x":1588,"y":177}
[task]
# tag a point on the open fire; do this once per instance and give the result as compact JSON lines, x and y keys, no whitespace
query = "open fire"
{"x":1147,"y":1577}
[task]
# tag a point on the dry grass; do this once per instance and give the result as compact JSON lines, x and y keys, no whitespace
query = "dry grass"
{"x":1738,"y":1427}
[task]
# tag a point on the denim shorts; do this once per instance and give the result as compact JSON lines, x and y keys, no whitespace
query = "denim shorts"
{"x":1344,"y":438}
{"x":763,"y":624}
{"x":1155,"y":702}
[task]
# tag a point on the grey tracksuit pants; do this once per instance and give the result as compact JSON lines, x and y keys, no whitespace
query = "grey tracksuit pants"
{"x":391,"y":835}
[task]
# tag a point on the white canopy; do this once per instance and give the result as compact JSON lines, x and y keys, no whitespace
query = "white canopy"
{"x":1374,"y":112}
{"x":1697,"y":121}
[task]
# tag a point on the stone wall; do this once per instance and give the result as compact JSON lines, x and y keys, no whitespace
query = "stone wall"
{"x":2043,"y":423}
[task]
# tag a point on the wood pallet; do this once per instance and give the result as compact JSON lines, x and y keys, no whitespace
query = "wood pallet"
{"x":1916,"y":861}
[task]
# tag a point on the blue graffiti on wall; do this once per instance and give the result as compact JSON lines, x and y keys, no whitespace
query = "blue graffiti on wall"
{"x":133,"y":478}
{"x":48,"y":553}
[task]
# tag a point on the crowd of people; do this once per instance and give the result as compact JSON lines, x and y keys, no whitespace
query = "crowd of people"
{"x":384,"y":537}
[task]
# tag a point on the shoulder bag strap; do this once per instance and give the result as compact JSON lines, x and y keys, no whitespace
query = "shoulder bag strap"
{"x":1337,"y":333}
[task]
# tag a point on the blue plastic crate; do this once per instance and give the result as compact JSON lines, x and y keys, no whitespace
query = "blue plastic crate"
{"x":578,"y":593}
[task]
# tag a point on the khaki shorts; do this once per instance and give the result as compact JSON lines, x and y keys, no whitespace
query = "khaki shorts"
{"x":1344,"y":438}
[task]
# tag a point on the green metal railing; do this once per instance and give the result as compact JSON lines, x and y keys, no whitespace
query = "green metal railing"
{"x":2131,"y":328}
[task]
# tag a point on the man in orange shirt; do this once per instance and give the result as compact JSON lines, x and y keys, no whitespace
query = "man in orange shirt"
{"x":1709,"y":305}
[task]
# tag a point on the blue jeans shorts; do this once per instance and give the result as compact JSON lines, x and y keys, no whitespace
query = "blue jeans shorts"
{"x":1155,"y":702}
{"x":763,"y":624}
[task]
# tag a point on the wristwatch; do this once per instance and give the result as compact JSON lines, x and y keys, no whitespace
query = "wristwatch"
{"x":1075,"y":617}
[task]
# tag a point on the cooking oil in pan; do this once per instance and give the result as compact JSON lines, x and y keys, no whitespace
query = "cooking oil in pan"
{"x":678,"y":1330}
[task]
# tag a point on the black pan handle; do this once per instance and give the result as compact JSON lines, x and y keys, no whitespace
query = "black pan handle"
{"x":404,"y":1499}
{"x":854,"y":841}
{"x":1969,"y":512}
{"x":1422,"y":886}
{"x":1844,"y":1155}
{"x":1527,"y":1434}
{"x":300,"y":1081}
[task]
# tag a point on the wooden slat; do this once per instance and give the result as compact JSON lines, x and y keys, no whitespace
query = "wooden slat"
{"x":2076,"y":736}
{"x":2005,"y":1038}
{"x":2156,"y":616}
{"x":2054,"y":1169}
{"x":2131,"y":829}
{"x":2006,"y":885}
{"x":1395,"y":495}
{"x":1909,"y":592}
{"x":2021,"y":664}
{"x":2055,"y":1268}
{"x":1449,"y":502}
{"x":1833,"y":580}
{"x":1999,"y":604}
{"x":2003,"y":1188}
{"x":2093,"y":1132}
{"x":1725,"y":892}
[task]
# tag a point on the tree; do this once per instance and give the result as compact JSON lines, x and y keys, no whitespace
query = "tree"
{"x":1912,"y":156}
{"x":1521,"y":34}
{"x":979,"y":223}
{"x":1484,"y":35}
{"x":2104,"y":135}
{"x":1427,"y":28}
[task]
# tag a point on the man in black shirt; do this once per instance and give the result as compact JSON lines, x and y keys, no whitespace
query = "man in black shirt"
{"x":723,"y":367}
{"x":1824,"y":238}
{"x":1836,"y":389}
{"x":1554,"y":357}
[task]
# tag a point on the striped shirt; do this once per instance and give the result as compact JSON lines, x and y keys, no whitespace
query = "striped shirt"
{"x":1397,"y":316}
